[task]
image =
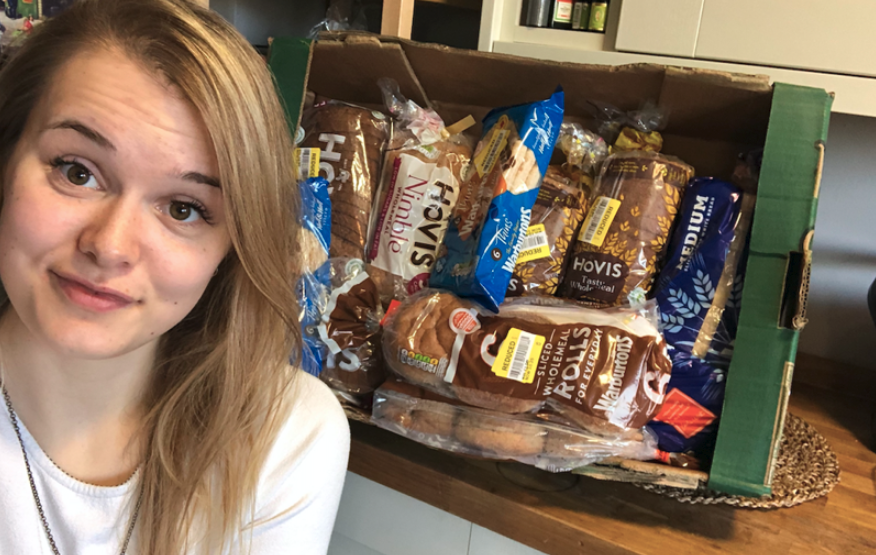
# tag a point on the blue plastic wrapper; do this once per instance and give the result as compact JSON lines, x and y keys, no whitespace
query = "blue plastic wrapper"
{"x":317,"y":209}
{"x":308,"y":290}
{"x":688,"y":420}
{"x":686,"y":288}
{"x":488,"y":225}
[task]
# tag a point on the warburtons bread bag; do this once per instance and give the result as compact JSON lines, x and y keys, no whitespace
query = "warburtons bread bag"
{"x":604,"y":370}
{"x":556,"y":216}
{"x":421,"y":415}
{"x":488,"y":225}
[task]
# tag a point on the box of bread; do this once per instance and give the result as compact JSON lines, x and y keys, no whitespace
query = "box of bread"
{"x":582,"y":268}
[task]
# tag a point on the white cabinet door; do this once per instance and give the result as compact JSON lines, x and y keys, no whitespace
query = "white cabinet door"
{"x":667,"y":27}
{"x":835,"y":36}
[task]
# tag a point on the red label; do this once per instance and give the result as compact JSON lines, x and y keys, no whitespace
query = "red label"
{"x":684,"y":414}
{"x":393,"y":306}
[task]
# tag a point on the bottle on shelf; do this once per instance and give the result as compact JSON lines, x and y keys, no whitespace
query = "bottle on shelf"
{"x":538,"y":13}
{"x":581,"y":15}
{"x":562,"y":14}
{"x":598,"y":13}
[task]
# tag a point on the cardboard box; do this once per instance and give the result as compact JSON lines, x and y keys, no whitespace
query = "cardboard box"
{"x":713,"y":116}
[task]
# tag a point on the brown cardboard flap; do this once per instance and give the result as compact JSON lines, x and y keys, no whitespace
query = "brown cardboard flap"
{"x":644,"y":473}
{"x":491,"y":80}
{"x":348,"y":70}
{"x":729,"y":111}
{"x":716,"y":105}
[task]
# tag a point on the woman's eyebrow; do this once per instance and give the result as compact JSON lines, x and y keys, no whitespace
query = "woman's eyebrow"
{"x":85,"y":131}
{"x":201,"y":178}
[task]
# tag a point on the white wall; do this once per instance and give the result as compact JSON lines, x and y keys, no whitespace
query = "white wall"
{"x":844,"y":257}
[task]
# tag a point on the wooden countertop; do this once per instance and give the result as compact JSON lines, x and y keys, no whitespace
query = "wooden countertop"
{"x":608,"y":518}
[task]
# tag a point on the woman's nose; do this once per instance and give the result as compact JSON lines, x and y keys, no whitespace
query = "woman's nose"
{"x":112,"y":236}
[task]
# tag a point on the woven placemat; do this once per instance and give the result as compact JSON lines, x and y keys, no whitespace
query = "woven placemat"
{"x":807,"y":469}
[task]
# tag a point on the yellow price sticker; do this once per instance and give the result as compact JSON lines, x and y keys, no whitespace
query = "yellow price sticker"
{"x":535,"y":244}
{"x":599,"y":220}
{"x":497,"y":138}
{"x":518,"y":356}
{"x":306,"y":162}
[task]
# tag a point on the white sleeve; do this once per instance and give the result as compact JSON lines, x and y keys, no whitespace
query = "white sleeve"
{"x":301,"y":484}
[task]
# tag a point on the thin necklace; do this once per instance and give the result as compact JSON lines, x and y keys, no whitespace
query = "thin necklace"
{"x":36,"y":496}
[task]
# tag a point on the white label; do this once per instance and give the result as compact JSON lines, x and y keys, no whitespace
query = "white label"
{"x":563,"y":11}
{"x":414,"y":217}
{"x":521,"y":355}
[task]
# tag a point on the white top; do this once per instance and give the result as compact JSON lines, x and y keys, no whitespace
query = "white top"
{"x":298,"y":495}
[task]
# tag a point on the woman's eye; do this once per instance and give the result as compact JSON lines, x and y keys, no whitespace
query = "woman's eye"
{"x":78,"y":175}
{"x":183,"y":211}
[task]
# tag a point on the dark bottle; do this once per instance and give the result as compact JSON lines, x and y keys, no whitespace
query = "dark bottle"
{"x":562,"y":14}
{"x":538,"y":13}
{"x":598,"y":13}
{"x":580,"y":15}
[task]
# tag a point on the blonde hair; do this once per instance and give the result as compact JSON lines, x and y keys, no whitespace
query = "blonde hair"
{"x":221,"y":374}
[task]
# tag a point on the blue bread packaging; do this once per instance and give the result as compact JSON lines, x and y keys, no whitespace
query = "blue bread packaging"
{"x":694,"y":285}
{"x":688,"y":420}
{"x":488,"y":225}
{"x":316,"y":209}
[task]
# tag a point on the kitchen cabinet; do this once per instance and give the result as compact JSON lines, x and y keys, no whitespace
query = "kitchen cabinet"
{"x":817,"y":44}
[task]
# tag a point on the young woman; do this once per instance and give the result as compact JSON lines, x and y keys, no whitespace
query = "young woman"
{"x":147,"y":251}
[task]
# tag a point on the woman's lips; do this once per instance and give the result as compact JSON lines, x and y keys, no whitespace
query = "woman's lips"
{"x":92,"y":297}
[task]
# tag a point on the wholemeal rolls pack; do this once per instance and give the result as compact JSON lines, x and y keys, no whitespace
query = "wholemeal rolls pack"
{"x":602,"y":370}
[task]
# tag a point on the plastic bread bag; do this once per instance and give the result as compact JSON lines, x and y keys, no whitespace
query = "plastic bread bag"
{"x":623,"y":241}
{"x":315,"y":214}
{"x":316,"y":218}
{"x":603,"y":370}
{"x":419,"y":186}
{"x":556,"y":216}
{"x":413,"y":124}
{"x":584,"y":150}
{"x":344,"y":325}
{"x":700,"y":270}
{"x":444,"y":424}
{"x":720,"y":351}
{"x":637,"y":130}
{"x":688,"y":421}
{"x":492,"y":213}
{"x":348,"y":141}
{"x":341,"y":15}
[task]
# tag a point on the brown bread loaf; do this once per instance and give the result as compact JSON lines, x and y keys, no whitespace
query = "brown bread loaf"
{"x":351,"y":140}
{"x":623,"y":240}
{"x":556,"y":216}
{"x":603,"y":370}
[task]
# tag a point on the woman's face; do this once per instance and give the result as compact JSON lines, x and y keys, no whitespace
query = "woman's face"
{"x":112,"y":221}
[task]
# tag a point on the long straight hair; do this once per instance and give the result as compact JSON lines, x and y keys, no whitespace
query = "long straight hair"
{"x":221,"y":377}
